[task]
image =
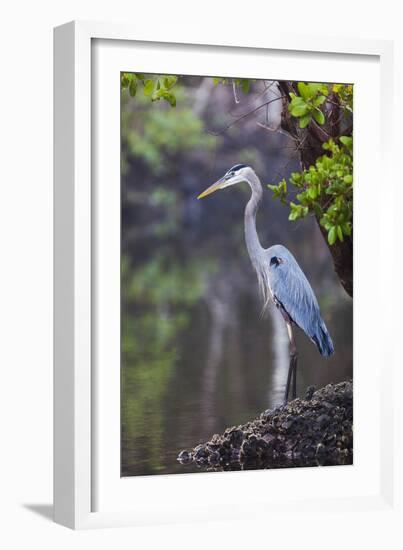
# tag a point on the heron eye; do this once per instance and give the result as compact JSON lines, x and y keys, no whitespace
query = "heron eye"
{"x":275,"y":261}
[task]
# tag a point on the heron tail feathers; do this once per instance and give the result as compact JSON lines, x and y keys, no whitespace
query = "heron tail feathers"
{"x":323,"y":340}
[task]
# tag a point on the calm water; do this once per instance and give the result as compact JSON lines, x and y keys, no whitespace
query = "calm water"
{"x":197,"y":357}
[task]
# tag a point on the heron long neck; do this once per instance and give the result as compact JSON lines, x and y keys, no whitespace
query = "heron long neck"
{"x":253,"y":245}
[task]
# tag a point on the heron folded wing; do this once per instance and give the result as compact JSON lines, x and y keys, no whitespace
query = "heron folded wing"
{"x":293,"y":293}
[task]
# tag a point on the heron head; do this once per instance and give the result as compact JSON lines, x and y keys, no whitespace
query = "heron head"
{"x":236,"y":174}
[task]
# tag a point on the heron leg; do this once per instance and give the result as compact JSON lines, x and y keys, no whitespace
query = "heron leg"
{"x":292,"y":369}
{"x":294,"y":377}
{"x":289,"y":376}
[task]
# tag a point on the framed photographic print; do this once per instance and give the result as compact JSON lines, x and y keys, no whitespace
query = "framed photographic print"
{"x":208,"y":245}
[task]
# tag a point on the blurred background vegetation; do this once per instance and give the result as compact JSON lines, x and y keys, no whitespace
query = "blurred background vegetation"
{"x":196,"y":356}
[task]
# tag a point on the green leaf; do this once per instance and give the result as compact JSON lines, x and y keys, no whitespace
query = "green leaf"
{"x":162,"y":93}
{"x":297,"y":211}
{"x":347,"y":141}
{"x":170,"y":81}
{"x":125,"y":80}
{"x":319,"y":100}
{"x":296,"y":178}
{"x":340,"y":233}
{"x":305,"y":120}
{"x":279,"y":191}
{"x":304,"y":90}
{"x":170,"y":98}
{"x":148,"y":87}
{"x":348,"y":179}
{"x":318,"y":116}
{"x":316,"y":87}
{"x":298,"y":107}
{"x":294,"y":214}
{"x":245,"y":85}
{"x":332,"y":235}
{"x":133,"y":87}
{"x":346,"y":229}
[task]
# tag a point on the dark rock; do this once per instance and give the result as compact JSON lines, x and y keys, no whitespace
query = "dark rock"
{"x":317,"y":430}
{"x":236,"y":437}
{"x":214,"y":457}
{"x":309,"y":392}
{"x":185,"y":457}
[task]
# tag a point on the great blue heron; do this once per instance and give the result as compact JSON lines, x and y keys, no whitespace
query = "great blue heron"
{"x":280,"y":278}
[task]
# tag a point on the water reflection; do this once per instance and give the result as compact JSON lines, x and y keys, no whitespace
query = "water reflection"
{"x":198,"y":358}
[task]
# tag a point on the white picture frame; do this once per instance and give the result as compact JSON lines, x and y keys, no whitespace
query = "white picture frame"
{"x":87,"y":489}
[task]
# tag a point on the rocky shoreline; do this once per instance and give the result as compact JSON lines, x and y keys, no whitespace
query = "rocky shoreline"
{"x":314,"y":431}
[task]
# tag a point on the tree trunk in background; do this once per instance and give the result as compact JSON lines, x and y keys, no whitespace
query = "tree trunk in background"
{"x":309,"y":141}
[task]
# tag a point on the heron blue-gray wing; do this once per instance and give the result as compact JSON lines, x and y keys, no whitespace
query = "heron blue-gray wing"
{"x":293,"y":293}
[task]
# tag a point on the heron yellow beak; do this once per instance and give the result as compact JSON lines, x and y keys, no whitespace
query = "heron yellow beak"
{"x":215,"y":187}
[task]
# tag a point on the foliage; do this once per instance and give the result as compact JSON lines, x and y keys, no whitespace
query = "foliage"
{"x":158,"y":135}
{"x":325,"y":190}
{"x":242,"y":83}
{"x":311,"y":98}
{"x":306,"y":105}
{"x":344,"y":93}
{"x":155,"y":87}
